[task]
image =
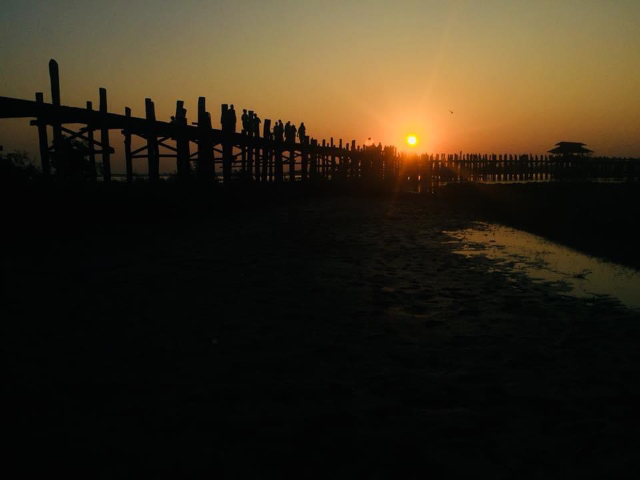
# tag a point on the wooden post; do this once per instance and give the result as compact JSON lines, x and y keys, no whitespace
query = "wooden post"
{"x":258,"y":159}
{"x":266,"y":155}
{"x":127,"y":148}
{"x":313,"y":174}
{"x":61,"y":163}
{"x":54,"y":76}
{"x":92,"y":150}
{"x":279,"y":170}
{"x":227,"y":144}
{"x":247,"y":170}
{"x":304,"y":162}
{"x":206,"y":168}
{"x":333,"y":161}
{"x":152,"y":141}
{"x":323,"y":157}
{"x":352,"y":160}
{"x":182,"y":141}
{"x":42,"y":139}
{"x":271,"y":154}
{"x":266,"y":151}
{"x":202,"y":113}
{"x":292,"y":160}
{"x":340,"y":167}
{"x":104,"y":137}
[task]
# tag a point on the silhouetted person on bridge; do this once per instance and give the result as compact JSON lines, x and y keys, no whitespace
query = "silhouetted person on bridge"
{"x":232,"y":119}
{"x":302,"y":133}
{"x":250,"y":120}
{"x":293,"y":131}
{"x":224,"y":116}
{"x":228,"y":118}
{"x":278,"y":131}
{"x":266,"y":129}
{"x":287,"y":131}
{"x":245,"y":121}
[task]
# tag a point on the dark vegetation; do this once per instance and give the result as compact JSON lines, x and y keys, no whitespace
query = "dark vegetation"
{"x":16,"y":169}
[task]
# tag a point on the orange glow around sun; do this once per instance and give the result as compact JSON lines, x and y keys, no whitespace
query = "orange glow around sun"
{"x":412,"y":140}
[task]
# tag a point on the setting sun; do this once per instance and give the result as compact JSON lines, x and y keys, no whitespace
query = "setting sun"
{"x":412,"y":140}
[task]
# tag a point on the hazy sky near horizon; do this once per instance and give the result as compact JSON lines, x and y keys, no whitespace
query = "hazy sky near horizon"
{"x":519,"y":75}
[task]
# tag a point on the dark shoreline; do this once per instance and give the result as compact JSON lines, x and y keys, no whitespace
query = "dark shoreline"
{"x":598,"y":219}
{"x":594,"y":218}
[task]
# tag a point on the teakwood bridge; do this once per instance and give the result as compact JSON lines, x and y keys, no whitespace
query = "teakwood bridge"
{"x":231,"y":156}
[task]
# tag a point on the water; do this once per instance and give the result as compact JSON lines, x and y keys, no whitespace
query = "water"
{"x":545,"y":261}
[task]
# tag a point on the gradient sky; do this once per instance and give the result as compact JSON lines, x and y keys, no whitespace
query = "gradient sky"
{"x":520,"y":75}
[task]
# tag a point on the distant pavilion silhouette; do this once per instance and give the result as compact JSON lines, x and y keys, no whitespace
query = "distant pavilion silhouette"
{"x":571,"y":149}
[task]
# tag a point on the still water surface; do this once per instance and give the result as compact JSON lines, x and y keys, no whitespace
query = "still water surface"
{"x":545,"y":261}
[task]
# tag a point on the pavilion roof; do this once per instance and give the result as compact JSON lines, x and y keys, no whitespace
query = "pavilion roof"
{"x":570,"y":147}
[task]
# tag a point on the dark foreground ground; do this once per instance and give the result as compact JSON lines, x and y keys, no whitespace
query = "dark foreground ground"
{"x":321,"y":337}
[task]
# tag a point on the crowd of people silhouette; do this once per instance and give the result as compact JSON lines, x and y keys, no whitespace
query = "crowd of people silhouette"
{"x":251,"y":126}
{"x":228,"y":118}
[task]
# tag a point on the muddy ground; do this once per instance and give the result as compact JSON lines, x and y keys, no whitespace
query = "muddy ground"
{"x":324,"y":337}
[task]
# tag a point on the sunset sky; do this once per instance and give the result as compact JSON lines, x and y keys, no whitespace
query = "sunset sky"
{"x":519,"y":75}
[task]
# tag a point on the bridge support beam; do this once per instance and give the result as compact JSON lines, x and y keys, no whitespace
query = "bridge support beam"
{"x":182,"y":142}
{"x":104,"y":137}
{"x":152,"y":141}
{"x":43,"y":140}
{"x":128,"y":157}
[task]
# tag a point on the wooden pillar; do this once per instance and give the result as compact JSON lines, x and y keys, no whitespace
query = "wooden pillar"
{"x":258,"y":157}
{"x":324,"y":159}
{"x":279,"y":170}
{"x":43,"y":139}
{"x":313,"y":170}
{"x":292,"y":160}
{"x":333,"y":161}
{"x":104,"y":137}
{"x":205,"y":163}
{"x":270,"y":155}
{"x":54,"y":76}
{"x":304,"y":162}
{"x":364,"y":158}
{"x":61,"y":163}
{"x":264,"y":152}
{"x":243,"y":153}
{"x":227,"y":143}
{"x":266,"y":156}
{"x":202,"y":140}
{"x":152,"y":141}
{"x":92,"y":150}
{"x":266,"y":173}
{"x":353,"y":163}
{"x":248,"y":171}
{"x":128,"y":158}
{"x":183,"y":153}
{"x":340,"y":158}
{"x":202,"y":112}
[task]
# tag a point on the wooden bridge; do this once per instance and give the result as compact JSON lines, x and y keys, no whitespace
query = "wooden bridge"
{"x":218,"y":153}
{"x":223,"y":154}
